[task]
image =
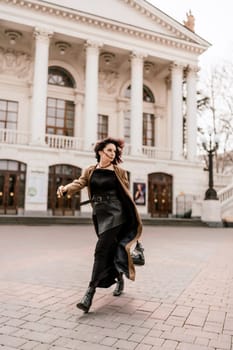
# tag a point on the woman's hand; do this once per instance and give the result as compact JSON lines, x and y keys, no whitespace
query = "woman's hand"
{"x":61,"y":191}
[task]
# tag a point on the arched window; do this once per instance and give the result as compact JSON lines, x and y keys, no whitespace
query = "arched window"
{"x":60,"y":77}
{"x":60,"y":112}
{"x":147,"y":94}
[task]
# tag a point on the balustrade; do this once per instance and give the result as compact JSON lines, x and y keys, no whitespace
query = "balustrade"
{"x":8,"y":136}
{"x":14,"y":137}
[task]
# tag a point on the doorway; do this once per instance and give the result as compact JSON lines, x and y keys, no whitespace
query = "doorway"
{"x":62,"y":174}
{"x":160,"y":195}
{"x":12,"y":186}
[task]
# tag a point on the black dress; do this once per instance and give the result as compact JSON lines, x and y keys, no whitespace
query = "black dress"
{"x":109,"y":218}
{"x":108,"y":210}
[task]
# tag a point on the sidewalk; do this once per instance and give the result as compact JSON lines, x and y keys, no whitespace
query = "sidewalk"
{"x":182,"y":298}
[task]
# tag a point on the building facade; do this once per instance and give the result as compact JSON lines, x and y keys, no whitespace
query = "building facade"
{"x":75,"y":73}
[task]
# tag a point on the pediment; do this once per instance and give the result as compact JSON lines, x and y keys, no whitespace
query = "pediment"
{"x":134,"y":13}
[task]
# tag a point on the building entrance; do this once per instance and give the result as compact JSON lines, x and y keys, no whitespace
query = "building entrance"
{"x":160,"y":195}
{"x":62,"y":174}
{"x":12,"y":186}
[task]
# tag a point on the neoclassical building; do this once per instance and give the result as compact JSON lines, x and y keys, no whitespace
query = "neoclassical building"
{"x":74,"y":71}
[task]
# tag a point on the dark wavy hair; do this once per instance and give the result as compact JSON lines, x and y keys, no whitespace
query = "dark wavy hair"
{"x":100,"y":145}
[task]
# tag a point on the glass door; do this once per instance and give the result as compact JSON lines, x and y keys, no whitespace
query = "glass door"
{"x":8,"y":193}
{"x":61,"y":174}
{"x":160,"y":195}
{"x":12,"y":186}
{"x":2,"y":181}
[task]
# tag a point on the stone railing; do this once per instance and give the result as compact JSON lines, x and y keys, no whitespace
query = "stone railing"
{"x":156,"y":152}
{"x":226,"y":197}
{"x":150,"y":152}
{"x":14,"y":137}
{"x":226,"y":194}
{"x":222,"y":180}
{"x":8,"y":136}
{"x":64,"y":142}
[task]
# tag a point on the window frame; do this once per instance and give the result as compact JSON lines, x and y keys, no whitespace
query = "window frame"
{"x":102,"y":127}
{"x":6,"y":112}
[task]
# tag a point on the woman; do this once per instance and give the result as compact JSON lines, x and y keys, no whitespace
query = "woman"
{"x":115,"y":217}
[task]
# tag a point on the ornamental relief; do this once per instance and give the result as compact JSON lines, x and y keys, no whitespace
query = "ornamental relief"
{"x":15,"y":63}
{"x":108,"y":81}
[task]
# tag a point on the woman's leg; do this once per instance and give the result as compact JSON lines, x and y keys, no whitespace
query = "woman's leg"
{"x":103,"y":265}
{"x":104,"y":256}
{"x":119,"y":286}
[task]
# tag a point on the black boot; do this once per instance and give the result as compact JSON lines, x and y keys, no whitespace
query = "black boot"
{"x":86,"y":301}
{"x":119,"y":286}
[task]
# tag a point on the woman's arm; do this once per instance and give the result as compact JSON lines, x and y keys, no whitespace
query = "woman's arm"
{"x":75,"y":186}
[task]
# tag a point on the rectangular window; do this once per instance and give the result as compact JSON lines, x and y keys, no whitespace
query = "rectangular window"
{"x":8,"y":114}
{"x":102,"y":131}
{"x":60,"y":117}
{"x":148,"y":129}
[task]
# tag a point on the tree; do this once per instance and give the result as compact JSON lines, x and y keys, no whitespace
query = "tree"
{"x":215,"y":110}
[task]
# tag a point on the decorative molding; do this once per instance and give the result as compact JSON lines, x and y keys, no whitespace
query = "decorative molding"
{"x":122,"y":104}
{"x":176,"y":66}
{"x":93,"y":44}
{"x":168,"y":82}
{"x":42,"y":34}
{"x":107,"y":58}
{"x":138,"y":55}
{"x":62,"y":47}
{"x":193,"y":69}
{"x":181,"y":41}
{"x":78,"y":97}
{"x":159,"y":111}
{"x":15,"y":63}
{"x":108,"y":80}
{"x":13,"y":35}
{"x":148,"y":67}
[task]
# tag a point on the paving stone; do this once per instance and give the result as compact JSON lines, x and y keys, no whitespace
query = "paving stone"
{"x":169,"y":345}
{"x":182,"y":299}
{"x":8,"y":340}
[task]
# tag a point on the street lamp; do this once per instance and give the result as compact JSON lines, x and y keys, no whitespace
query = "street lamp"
{"x":210,"y":147}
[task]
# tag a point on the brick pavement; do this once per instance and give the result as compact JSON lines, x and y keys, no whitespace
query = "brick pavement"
{"x":182,"y":298}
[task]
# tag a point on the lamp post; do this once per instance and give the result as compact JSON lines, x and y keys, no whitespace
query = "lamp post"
{"x":210,"y":147}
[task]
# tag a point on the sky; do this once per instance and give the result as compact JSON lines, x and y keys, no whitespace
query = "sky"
{"x":213,"y":22}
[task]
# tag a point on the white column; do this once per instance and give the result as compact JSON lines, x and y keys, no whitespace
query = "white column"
{"x":121,"y":107}
{"x":191,"y":113}
{"x":91,"y":95}
{"x":40,"y":84}
{"x":78,"y":123}
{"x":136,"y":117}
{"x":159,"y":136}
{"x":177,"y":110}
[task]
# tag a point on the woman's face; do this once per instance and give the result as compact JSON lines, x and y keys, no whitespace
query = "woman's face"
{"x":108,"y":153}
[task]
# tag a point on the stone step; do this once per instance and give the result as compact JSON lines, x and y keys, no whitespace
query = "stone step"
{"x":87,"y":220}
{"x":228,"y":221}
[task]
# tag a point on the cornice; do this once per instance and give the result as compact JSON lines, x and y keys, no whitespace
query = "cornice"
{"x":147,"y":13}
{"x":180,"y":41}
